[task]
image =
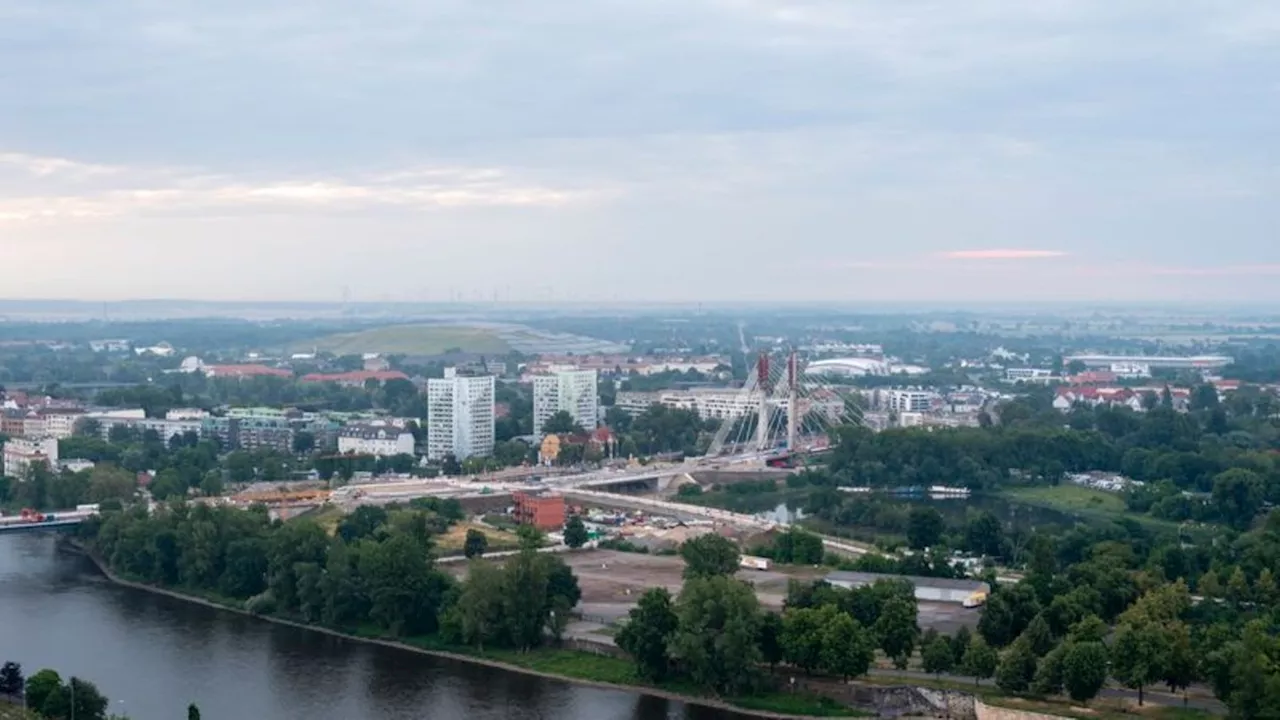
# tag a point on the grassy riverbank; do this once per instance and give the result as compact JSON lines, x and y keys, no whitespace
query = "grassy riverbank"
{"x":576,"y":666}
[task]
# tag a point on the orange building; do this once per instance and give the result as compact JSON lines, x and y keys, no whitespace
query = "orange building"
{"x":545,"y":512}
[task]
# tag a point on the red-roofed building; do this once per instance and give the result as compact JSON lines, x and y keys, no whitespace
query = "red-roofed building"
{"x":244,"y":371}
{"x":357,"y":378}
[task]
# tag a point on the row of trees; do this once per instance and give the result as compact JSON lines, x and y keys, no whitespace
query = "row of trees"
{"x":51,"y":698}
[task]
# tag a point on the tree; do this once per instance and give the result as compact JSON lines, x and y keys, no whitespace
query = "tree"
{"x":938,"y":656}
{"x":984,"y":535}
{"x":561,"y":422}
{"x":1049,"y":671}
{"x":87,"y":701}
{"x":11,"y":680}
{"x":847,"y":648}
{"x":530,"y":537}
{"x":647,"y":632}
{"x":770,"y":640}
{"x":898,"y":631}
{"x":41,"y":686}
{"x":924,"y":527}
{"x":304,"y":442}
{"x":476,"y":544}
{"x":1084,"y":670}
{"x":362,"y":523}
{"x":960,"y":644}
{"x":709,"y":555}
{"x":575,"y":533}
{"x":802,"y":635}
{"x":980,"y":660}
{"x":1139,"y":655}
{"x":1238,"y":494}
{"x":715,"y":639}
{"x":1017,"y":668}
{"x":1039,"y":636}
{"x":193,"y":712}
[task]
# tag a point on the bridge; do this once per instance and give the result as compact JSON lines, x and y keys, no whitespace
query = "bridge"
{"x":53,"y":520}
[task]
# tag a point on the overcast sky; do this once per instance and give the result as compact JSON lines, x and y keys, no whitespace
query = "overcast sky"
{"x":641,"y":149}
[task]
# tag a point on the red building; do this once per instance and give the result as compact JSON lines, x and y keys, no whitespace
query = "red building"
{"x":545,"y":512}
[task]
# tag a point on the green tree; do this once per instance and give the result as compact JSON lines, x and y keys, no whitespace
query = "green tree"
{"x":575,"y":532}
{"x":1084,"y":670}
{"x":938,"y":656}
{"x":1239,"y":494}
{"x":530,"y":537}
{"x":193,"y":712}
{"x":847,"y":648}
{"x":802,"y":635}
{"x":363,"y":522}
{"x":476,"y":544}
{"x":1039,"y":636}
{"x":715,"y":640}
{"x":709,"y":555}
{"x":770,"y":640}
{"x":1049,"y":672}
{"x":1139,"y":655}
{"x":42,"y":686}
{"x":647,"y":633}
{"x":924,"y":527}
{"x":1017,"y":668}
{"x":980,"y":660}
{"x":897,"y":630}
{"x":561,"y":422}
{"x":526,"y":579}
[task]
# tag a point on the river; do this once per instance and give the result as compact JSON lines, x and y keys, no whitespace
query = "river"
{"x":152,"y":655}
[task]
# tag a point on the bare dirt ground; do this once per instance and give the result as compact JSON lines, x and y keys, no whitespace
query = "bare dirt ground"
{"x":612,"y":582}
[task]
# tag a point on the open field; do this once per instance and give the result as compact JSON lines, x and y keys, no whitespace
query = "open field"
{"x":412,"y":340}
{"x":612,"y":582}
{"x":452,"y":542}
{"x":1069,"y":498}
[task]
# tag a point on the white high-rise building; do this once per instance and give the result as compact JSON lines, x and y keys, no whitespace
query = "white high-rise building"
{"x":460,"y":416}
{"x":571,"y":391}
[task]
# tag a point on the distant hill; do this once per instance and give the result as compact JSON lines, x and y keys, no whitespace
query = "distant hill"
{"x":413,"y":340}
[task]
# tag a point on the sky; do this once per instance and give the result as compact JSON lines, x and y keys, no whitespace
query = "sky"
{"x":641,"y":150}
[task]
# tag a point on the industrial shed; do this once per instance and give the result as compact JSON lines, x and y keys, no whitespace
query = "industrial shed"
{"x":969,"y":592}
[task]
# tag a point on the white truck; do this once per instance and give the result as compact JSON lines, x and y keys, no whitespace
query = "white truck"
{"x":750,"y":562}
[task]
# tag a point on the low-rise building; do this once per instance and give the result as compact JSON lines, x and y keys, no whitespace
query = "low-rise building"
{"x":545,"y":512}
{"x":967,"y":592}
{"x":250,"y":432}
{"x":244,"y":371}
{"x":21,"y":453}
{"x":909,"y":401}
{"x":375,"y":438}
{"x":356,"y":379}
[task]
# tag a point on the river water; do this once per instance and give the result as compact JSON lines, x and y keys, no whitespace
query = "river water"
{"x":152,"y":655}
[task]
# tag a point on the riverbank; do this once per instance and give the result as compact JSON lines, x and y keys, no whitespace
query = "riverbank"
{"x":574,"y":666}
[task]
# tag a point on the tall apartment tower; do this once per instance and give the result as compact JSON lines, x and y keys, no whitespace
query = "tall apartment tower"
{"x":459,"y":416}
{"x":573,"y":391}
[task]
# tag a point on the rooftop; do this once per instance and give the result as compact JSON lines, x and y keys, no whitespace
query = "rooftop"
{"x":859,"y":579}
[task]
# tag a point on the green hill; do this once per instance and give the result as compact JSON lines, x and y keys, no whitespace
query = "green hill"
{"x":412,"y":340}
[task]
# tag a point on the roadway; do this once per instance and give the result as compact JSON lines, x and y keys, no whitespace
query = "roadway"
{"x":53,"y":519}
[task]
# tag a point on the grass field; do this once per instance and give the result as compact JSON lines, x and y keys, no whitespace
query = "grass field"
{"x":1069,"y":498}
{"x":411,"y":340}
{"x":452,"y":542}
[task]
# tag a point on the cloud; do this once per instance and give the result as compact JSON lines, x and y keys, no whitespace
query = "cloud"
{"x":1001,"y":254}
{"x":124,"y":192}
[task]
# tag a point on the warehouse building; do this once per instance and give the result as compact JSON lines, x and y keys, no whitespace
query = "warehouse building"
{"x":970,"y":593}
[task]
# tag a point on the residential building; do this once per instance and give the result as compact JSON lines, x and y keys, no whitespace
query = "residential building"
{"x":1026,"y":373}
{"x":379,"y":439}
{"x":249,"y":432}
{"x":61,"y":422}
{"x":460,"y":416}
{"x":21,"y":453}
{"x":545,"y":512}
{"x":571,"y":391}
{"x":1107,"y":362}
{"x":356,"y":378}
{"x":904,"y":401}
{"x":244,"y":371}
{"x":138,"y":420}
